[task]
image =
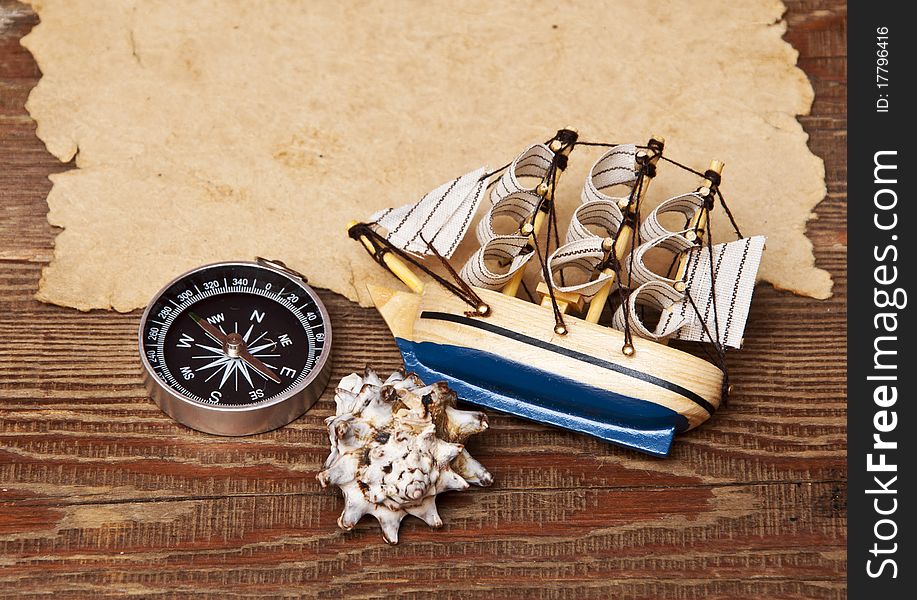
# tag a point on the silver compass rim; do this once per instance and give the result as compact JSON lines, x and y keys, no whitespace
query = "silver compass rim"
{"x":319,"y":376}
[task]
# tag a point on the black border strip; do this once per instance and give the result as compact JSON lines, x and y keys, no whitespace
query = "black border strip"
{"x":879,"y":196}
{"x":502,"y":331}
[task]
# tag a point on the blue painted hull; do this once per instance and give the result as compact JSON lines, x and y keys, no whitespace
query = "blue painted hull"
{"x":495,"y":382}
{"x":513,"y":362}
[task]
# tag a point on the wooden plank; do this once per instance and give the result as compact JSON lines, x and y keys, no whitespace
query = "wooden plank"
{"x":539,"y":544}
{"x":102,"y":493}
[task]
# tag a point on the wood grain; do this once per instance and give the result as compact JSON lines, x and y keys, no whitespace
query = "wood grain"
{"x":103,"y":495}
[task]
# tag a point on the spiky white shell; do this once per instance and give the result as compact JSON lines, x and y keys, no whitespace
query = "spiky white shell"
{"x":395,"y":445}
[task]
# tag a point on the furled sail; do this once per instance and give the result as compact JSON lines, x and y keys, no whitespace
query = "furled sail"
{"x":501,"y":255}
{"x":703,"y":309}
{"x":655,"y":235}
{"x":441,"y":218}
{"x":598,"y":217}
{"x":600,"y":210}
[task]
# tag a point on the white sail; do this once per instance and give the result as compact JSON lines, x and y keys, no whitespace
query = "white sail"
{"x":502,"y":250}
{"x":735,"y":266}
{"x":718,"y":280}
{"x":600,"y":211}
{"x":441,"y":218}
{"x":649,"y":288}
{"x":514,"y":208}
{"x":532,"y":163}
{"x":501,"y":255}
{"x":657,"y":295}
{"x":686,"y":205}
{"x":637,"y":272}
{"x":599,"y":216}
{"x":617,"y":166}
{"x":585,"y":256}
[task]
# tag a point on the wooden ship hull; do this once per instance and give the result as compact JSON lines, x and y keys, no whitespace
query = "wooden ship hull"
{"x":512,"y":361}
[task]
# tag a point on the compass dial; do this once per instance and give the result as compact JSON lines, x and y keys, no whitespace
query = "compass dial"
{"x":226,"y":340}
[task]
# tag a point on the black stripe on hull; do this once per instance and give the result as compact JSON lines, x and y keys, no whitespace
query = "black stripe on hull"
{"x":519,"y":337}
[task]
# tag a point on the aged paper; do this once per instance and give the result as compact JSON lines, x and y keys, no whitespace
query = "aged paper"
{"x":209,"y":130}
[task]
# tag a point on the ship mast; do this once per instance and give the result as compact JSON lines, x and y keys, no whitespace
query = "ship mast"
{"x":646,"y":159}
{"x":698,"y":225}
{"x":545,"y":189}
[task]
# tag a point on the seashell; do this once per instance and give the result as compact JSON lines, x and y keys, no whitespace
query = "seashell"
{"x":397,"y":444}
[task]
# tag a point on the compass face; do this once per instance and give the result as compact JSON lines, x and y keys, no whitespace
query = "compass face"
{"x":234,"y":335}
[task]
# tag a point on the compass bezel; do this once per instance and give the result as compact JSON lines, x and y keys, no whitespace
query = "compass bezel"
{"x":240,"y":419}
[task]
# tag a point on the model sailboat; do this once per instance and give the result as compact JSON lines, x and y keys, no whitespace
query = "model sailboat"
{"x":552,"y":360}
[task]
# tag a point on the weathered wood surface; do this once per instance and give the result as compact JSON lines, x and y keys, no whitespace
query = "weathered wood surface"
{"x":100,"y":493}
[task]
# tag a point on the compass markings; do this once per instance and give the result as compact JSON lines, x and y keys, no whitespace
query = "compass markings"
{"x":211,"y":348}
{"x":212,"y":375}
{"x":219,"y":362}
{"x":232,"y":366}
{"x":315,"y":347}
{"x":254,"y":351}
{"x":244,"y":369}
{"x":227,"y":371}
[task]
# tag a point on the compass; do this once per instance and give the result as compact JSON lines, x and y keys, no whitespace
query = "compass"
{"x":236,"y":348}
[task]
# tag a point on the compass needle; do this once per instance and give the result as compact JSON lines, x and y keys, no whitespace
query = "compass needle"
{"x":259,"y":366}
{"x":216,"y":334}
{"x":205,"y":336}
{"x":263,"y":376}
